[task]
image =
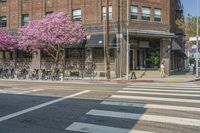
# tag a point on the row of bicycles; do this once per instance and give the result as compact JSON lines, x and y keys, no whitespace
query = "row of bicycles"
{"x":36,"y":74}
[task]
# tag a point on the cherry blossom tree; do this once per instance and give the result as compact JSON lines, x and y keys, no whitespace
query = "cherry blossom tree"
{"x":7,"y":41}
{"x":51,"y":34}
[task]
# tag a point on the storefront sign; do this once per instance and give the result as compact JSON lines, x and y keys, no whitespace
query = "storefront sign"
{"x":144,"y":44}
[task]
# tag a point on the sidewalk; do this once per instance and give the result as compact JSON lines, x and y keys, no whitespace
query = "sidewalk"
{"x":177,"y":78}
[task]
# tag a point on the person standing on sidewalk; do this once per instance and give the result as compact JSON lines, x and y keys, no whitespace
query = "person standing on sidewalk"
{"x":162,"y":69}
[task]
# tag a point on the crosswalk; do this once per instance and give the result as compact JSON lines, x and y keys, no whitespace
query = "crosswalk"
{"x":145,"y":108}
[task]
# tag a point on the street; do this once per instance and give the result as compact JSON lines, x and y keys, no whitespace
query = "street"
{"x":31,"y":107}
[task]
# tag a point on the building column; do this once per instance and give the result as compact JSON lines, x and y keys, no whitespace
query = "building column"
{"x":165,"y":54}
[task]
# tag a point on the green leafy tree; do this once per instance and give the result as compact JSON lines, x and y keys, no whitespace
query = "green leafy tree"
{"x":188,"y":25}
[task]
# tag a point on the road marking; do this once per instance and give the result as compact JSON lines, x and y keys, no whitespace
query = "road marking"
{"x":144,"y":117}
{"x":160,"y":90}
{"x":41,"y":106}
{"x":93,"y":128}
{"x":152,"y":106}
{"x":30,"y":91}
{"x":18,"y":91}
{"x":156,"y":99}
{"x":157,"y":93}
{"x":166,"y":87}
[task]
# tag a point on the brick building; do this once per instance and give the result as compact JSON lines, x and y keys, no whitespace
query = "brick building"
{"x":153,"y":34}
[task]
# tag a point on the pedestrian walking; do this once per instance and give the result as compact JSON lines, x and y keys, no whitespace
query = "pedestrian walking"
{"x":162,"y":69}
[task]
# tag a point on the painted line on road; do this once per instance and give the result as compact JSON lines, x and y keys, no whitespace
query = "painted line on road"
{"x":156,"y":99}
{"x":93,"y":128}
{"x":157,"y":93}
{"x":144,"y":117}
{"x":162,"y":90}
{"x":18,"y":91}
{"x":167,"y":87}
{"x":41,"y":106}
{"x":152,"y":106}
{"x":30,"y":91}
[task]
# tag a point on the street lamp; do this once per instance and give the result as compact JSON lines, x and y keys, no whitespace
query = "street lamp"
{"x":197,"y":42}
{"x":127,"y":45}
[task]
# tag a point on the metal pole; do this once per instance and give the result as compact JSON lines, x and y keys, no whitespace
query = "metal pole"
{"x":197,"y":42}
{"x":127,"y":45}
{"x":107,"y":41}
{"x":104,"y":45}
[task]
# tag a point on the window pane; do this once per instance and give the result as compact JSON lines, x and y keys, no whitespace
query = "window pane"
{"x":25,"y":19}
{"x":134,"y":11}
{"x":3,"y":21}
{"x":146,"y":12}
{"x":104,"y":13}
{"x":77,"y":15}
{"x":157,"y":13}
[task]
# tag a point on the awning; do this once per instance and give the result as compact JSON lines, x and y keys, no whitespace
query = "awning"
{"x":80,"y":45}
{"x":97,"y":41}
{"x":175,"y":46}
{"x":151,"y":33}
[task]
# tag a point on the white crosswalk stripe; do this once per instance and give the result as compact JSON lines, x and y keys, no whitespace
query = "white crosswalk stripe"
{"x":93,"y":128}
{"x":162,"y":90}
{"x":154,"y":118}
{"x":153,"y":106}
{"x":183,"y":99}
{"x":157,"y":93}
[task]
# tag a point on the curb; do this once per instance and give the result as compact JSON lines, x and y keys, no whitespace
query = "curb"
{"x":75,"y":81}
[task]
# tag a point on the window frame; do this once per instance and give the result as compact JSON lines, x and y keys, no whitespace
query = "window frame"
{"x":24,"y":23}
{"x":134,"y":13}
{"x":146,"y":16}
{"x":78,"y":16}
{"x":1,"y":21}
{"x":158,"y":16}
{"x":110,"y":10}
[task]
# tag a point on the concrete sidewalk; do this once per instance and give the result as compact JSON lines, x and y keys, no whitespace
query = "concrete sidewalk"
{"x":177,"y":78}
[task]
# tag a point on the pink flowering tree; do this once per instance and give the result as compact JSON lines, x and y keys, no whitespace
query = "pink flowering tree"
{"x":51,"y":34}
{"x":7,"y":41}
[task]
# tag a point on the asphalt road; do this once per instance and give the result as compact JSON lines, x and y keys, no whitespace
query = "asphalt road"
{"x":27,"y":107}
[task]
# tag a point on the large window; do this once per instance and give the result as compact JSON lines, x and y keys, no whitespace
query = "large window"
{"x":146,"y":13}
{"x":134,"y":12}
{"x":104,"y":13}
{"x":157,"y":15}
{"x":3,"y":21}
{"x":76,"y":14}
{"x":3,"y":1}
{"x":25,"y":19}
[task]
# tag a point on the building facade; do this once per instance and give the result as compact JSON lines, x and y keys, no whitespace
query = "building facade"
{"x":153,"y":35}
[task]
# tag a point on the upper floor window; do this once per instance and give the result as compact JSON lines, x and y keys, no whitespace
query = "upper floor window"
{"x":3,"y":21}
{"x":47,"y":13}
{"x":76,"y":14}
{"x":146,"y":13}
{"x":2,"y":1}
{"x":104,"y":13}
{"x":157,"y":15}
{"x":25,"y":19}
{"x":134,"y":12}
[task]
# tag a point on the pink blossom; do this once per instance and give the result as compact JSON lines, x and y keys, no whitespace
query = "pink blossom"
{"x":55,"y":29}
{"x":7,"y":41}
